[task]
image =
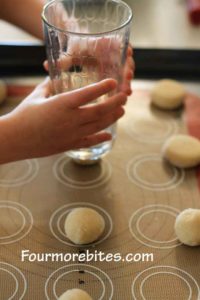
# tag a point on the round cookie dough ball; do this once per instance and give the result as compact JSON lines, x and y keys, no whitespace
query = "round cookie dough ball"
{"x":3,"y":91}
{"x":168,"y":94}
{"x":182,"y":151}
{"x":187,"y":227}
{"x":84,"y":225}
{"x":75,"y":294}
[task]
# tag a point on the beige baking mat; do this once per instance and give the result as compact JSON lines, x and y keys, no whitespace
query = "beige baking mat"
{"x":138,"y":194}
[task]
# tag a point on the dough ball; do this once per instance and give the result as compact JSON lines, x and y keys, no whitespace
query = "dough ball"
{"x":3,"y":91}
{"x":75,"y":294}
{"x":182,"y":151}
{"x":187,"y":227}
{"x":168,"y":94}
{"x":84,"y":225}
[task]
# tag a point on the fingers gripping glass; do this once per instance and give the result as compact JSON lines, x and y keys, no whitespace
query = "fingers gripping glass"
{"x":86,"y":41}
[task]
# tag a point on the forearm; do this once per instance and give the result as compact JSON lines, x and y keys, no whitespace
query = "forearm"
{"x":10,"y":140}
{"x":25,"y":14}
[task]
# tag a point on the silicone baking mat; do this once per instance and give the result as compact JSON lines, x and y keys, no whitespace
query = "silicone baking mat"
{"x":138,"y":194}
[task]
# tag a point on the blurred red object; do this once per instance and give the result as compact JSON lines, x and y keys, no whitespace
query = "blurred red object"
{"x":194,"y":11}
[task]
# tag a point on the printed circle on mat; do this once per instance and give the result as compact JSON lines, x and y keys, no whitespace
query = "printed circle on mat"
{"x":79,"y":276}
{"x":57,"y":220}
{"x":151,"y":172}
{"x":13,"y":282}
{"x":18,"y":173}
{"x":82,"y":177}
{"x":16,"y":222}
{"x":153,"y":226}
{"x":154,"y":283}
{"x":148,"y":130}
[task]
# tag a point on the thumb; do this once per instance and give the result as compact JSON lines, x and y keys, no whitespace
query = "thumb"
{"x":46,"y":65}
{"x":44,"y":89}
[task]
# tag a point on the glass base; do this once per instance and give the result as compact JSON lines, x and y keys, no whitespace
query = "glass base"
{"x":92,"y":155}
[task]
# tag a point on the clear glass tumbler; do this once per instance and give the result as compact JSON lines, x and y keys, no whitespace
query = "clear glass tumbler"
{"x":86,"y":41}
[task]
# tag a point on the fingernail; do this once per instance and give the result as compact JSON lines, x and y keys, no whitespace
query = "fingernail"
{"x":130,"y":51}
{"x":130,"y":75}
{"x":112,"y":83}
{"x":129,"y":92}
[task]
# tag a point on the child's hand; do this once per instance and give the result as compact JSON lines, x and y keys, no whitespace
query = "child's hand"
{"x":103,"y":62}
{"x":44,"y":126}
{"x":128,"y":72}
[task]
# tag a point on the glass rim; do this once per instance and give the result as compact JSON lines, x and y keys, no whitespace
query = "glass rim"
{"x":44,"y":19}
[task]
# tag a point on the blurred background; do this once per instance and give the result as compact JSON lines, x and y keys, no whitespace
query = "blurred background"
{"x":156,"y":24}
{"x":165,"y":36}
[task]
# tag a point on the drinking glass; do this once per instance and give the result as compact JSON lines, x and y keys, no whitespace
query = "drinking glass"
{"x":86,"y":41}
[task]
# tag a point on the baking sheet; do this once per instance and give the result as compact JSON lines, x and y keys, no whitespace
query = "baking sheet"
{"x":139,"y":196}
